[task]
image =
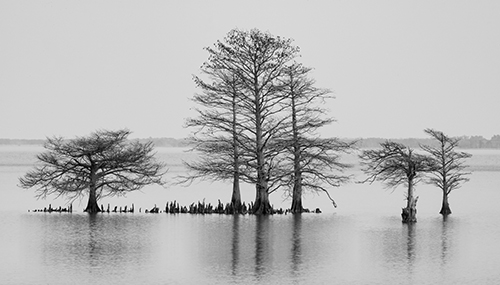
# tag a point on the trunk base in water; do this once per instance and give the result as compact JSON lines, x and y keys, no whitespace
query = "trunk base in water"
{"x":262,"y":205}
{"x":297,"y":207}
{"x":445,"y":210}
{"x":92,"y":207}
{"x":409,"y":215}
{"x":262,"y":208}
{"x":237,"y":207}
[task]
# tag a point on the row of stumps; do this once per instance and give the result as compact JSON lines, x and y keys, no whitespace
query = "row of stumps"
{"x":203,"y":208}
{"x":117,"y":209}
{"x":59,"y":209}
{"x":175,"y":208}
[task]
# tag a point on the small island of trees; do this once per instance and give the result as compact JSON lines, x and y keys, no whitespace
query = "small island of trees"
{"x":259,"y":114}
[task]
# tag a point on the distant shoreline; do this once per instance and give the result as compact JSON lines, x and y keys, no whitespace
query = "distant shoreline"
{"x":466,"y":142}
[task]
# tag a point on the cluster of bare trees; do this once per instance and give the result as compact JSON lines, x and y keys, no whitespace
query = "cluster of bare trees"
{"x":258,"y":116}
{"x":396,"y":164}
{"x":257,"y":120}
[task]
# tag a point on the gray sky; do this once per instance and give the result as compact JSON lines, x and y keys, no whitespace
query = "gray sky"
{"x":396,"y":67}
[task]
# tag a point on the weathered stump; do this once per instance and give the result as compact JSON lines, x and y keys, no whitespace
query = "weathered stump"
{"x":409,"y":215}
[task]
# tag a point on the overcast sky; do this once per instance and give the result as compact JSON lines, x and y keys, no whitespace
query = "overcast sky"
{"x":396,"y":67}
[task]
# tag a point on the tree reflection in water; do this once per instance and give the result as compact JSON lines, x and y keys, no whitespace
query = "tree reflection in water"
{"x":410,"y":249}
{"x":410,"y":244}
{"x":94,"y":230}
{"x":261,"y":244}
{"x":296,"y":243}
{"x":235,"y":249}
{"x":445,"y":235}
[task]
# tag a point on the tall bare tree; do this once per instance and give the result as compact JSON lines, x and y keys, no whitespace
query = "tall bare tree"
{"x":395,"y":164}
{"x":102,"y":164}
{"x":316,"y":161}
{"x":216,"y":135}
{"x":254,"y":61}
{"x":450,"y":171}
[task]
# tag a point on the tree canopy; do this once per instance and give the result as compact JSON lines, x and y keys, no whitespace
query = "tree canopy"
{"x":102,"y":164}
{"x":393,"y":164}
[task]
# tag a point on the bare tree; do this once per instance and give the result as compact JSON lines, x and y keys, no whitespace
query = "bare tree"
{"x":254,"y":61}
{"x":449,"y":173}
{"x":316,"y":161}
{"x":102,"y":164}
{"x":394,"y":165}
{"x":216,"y":135}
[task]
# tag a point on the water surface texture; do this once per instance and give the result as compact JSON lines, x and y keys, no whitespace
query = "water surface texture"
{"x":361,"y":242}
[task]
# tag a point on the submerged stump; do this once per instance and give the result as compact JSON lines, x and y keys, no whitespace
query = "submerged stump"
{"x":409,"y":215}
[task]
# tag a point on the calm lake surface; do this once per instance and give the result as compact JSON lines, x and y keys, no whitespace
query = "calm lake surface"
{"x":361,"y":242}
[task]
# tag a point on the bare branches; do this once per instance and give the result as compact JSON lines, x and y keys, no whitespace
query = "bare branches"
{"x":240,"y":103}
{"x":104,"y":160}
{"x":450,"y":171}
{"x":257,"y":110}
{"x":312,"y":163}
{"x":394,"y":164}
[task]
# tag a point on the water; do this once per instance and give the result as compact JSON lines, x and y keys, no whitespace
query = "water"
{"x":361,"y":242}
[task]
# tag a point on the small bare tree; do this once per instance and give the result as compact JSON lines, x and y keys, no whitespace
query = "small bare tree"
{"x":102,"y":164}
{"x":394,"y":165}
{"x":449,"y":173}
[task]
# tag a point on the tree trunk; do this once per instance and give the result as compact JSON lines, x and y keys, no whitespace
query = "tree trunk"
{"x":409,"y":214}
{"x":297,"y":172}
{"x":92,"y":206}
{"x":445,"y":208}
{"x":297,"y":198}
{"x":236,"y":197}
{"x":262,"y":205}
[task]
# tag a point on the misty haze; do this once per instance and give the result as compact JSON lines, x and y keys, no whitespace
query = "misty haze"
{"x":266,"y":142}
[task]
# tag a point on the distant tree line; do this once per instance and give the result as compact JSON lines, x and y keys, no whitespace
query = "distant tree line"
{"x":479,"y":142}
{"x":465,"y":142}
{"x":158,"y":142}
